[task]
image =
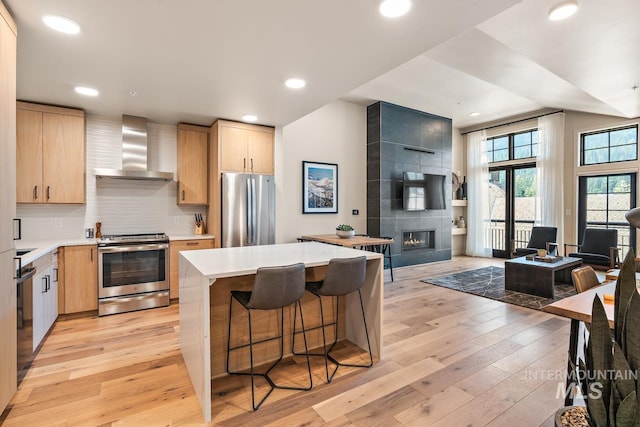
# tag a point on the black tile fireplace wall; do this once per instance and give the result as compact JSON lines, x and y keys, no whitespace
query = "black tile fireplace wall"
{"x":391,"y":129}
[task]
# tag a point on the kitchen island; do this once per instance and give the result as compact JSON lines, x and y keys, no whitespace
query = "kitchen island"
{"x":207,"y":276}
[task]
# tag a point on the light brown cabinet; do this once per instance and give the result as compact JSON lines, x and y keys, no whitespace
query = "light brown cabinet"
{"x":80,"y":275}
{"x":245,"y":148}
{"x":50,"y":154}
{"x":175,"y":247}
{"x":193,"y":152}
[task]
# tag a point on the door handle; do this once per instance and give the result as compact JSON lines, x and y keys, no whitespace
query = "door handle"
{"x":19,"y":221}
{"x":248,"y":212}
{"x":56,"y":276}
{"x":44,"y":279}
{"x":182,"y":194}
{"x":48,"y":192}
{"x":35,"y":192}
{"x":244,"y":164}
{"x":192,"y":243}
{"x":252,"y":164}
{"x":19,"y":269}
{"x":254,"y":215}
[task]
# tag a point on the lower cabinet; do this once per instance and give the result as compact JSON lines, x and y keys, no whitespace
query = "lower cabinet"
{"x":45,"y":296}
{"x":80,"y":278}
{"x":182,"y":245}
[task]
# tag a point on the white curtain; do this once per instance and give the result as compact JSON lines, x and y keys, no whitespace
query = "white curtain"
{"x":549,"y":174}
{"x":477,"y":195}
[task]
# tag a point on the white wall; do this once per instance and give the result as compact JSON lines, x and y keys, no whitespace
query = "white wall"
{"x":336,"y":133}
{"x":123,"y":206}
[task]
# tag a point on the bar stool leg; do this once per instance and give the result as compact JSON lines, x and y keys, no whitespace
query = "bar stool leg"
{"x":252,"y":374}
{"x":326,"y":351}
{"x":364,"y":320}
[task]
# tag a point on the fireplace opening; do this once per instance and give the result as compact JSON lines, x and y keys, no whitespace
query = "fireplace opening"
{"x":418,"y":240}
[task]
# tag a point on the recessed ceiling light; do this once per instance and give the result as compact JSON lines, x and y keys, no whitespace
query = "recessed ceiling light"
{"x":394,"y":8}
{"x":475,"y":113}
{"x":133,"y":92}
{"x":61,"y":24}
{"x":295,"y":83}
{"x":88,"y":91}
{"x":563,"y":10}
{"x":249,"y":118}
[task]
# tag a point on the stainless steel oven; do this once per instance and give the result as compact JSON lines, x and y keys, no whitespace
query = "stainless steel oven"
{"x":133,"y":272}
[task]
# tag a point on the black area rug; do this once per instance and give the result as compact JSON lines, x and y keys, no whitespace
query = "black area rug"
{"x":488,"y":282}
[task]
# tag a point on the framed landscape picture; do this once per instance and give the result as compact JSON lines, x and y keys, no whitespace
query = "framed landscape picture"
{"x":319,"y":187}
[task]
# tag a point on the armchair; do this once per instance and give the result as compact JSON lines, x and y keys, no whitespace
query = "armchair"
{"x":539,"y":239}
{"x":598,"y":249}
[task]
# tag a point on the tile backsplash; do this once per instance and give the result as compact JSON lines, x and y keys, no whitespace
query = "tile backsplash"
{"x":122,"y":206}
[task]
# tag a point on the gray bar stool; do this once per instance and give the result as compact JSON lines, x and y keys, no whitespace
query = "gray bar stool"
{"x":344,"y":276}
{"x":273,"y":288}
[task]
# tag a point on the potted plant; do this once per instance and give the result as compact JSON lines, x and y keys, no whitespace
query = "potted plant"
{"x":608,"y":374}
{"x":345,"y":231}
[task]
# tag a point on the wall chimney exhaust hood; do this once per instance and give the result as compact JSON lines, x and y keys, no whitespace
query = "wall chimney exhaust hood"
{"x":134,"y":154}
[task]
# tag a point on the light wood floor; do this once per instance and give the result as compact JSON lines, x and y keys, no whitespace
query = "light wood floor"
{"x":450,"y":359}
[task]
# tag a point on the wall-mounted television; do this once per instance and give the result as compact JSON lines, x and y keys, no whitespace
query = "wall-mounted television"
{"x":422,"y":191}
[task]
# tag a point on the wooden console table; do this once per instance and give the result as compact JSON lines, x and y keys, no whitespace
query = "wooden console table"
{"x":578,"y":309}
{"x":352,"y":242}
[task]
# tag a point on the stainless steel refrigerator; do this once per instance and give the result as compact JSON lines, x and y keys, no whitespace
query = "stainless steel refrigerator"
{"x":248,"y":210}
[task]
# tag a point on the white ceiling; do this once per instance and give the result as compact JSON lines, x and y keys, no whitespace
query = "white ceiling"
{"x":198,"y":60}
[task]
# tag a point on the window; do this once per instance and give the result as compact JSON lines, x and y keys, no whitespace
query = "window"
{"x":609,"y":146}
{"x":602,"y":203}
{"x":525,"y":145}
{"x":498,"y":149}
{"x":514,"y":146}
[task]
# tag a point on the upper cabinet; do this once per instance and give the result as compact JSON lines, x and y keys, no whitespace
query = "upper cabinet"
{"x":245,"y":148}
{"x":50,"y":154}
{"x":193,"y":146}
{"x":7,"y":136}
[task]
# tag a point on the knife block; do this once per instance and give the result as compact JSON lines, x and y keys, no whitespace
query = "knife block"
{"x":199,"y":229}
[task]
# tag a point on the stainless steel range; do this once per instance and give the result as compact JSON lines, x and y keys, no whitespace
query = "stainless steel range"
{"x":133,"y":272}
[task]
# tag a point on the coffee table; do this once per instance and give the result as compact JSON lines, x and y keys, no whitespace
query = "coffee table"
{"x":536,"y":277}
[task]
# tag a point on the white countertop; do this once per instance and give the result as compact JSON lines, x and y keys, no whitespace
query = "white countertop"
{"x":230,"y":262}
{"x":43,"y":247}
{"x":173,"y":237}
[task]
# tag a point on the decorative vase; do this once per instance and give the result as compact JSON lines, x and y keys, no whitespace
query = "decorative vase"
{"x":573,"y":416}
{"x":463,"y":188}
{"x":345,"y":234}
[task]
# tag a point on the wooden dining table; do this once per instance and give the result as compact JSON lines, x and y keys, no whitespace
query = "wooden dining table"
{"x":351,"y":242}
{"x":578,"y":309}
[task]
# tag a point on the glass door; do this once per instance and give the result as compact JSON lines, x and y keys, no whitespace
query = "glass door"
{"x":512,"y":204}
{"x":524,"y":205}
{"x":497,"y":231}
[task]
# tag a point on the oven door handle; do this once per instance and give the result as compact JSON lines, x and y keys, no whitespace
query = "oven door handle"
{"x":132,"y":248}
